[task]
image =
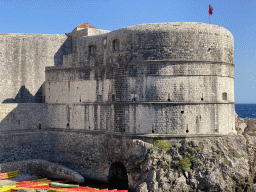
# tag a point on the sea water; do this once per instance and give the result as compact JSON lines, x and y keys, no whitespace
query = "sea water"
{"x":246,"y":110}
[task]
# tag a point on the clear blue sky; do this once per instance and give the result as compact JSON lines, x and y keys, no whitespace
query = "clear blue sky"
{"x":62,"y":16}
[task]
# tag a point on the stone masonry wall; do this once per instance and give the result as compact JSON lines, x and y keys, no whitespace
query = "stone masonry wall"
{"x":23,"y":58}
{"x":141,"y":118}
{"x":22,"y":116}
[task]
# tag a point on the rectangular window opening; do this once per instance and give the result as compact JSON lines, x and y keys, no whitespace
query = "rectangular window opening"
{"x":99,"y":98}
{"x":224,"y":96}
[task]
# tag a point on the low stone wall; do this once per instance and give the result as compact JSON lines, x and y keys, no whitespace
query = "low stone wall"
{"x":43,"y":168}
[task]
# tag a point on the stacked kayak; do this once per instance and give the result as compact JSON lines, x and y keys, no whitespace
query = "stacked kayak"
{"x":41,"y":185}
{"x":9,"y":175}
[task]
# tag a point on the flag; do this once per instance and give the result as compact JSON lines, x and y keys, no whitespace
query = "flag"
{"x":210,"y":9}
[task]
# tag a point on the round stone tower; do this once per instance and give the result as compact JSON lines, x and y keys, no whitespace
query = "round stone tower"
{"x":180,"y":75}
{"x":161,"y":78}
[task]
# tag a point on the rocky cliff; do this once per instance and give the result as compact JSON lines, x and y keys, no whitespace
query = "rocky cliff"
{"x":198,"y":164}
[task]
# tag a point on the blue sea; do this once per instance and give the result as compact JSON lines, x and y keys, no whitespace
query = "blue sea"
{"x":246,"y":110}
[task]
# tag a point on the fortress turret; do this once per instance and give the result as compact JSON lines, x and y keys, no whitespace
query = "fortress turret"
{"x":165,"y":78}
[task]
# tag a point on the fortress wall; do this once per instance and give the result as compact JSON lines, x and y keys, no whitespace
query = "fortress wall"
{"x":27,"y":144}
{"x":22,"y":116}
{"x":165,"y":41}
{"x":144,"y":84}
{"x":81,"y":116}
{"x":226,"y":118}
{"x":143,"y":118}
{"x":23,"y":59}
{"x":82,"y":152}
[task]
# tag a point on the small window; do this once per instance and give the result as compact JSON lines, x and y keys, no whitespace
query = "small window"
{"x":224,"y":96}
{"x":113,"y":97}
{"x":92,"y":49}
{"x":105,"y":42}
{"x":99,"y":98}
{"x":182,"y":112}
{"x":115,"y":45}
{"x":67,"y":125}
{"x":134,"y":99}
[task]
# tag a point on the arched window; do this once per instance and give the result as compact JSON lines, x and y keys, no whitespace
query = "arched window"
{"x":116,"y":44}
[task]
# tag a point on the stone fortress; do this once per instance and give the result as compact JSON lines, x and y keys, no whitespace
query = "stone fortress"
{"x":86,"y":92}
{"x":172,"y":78}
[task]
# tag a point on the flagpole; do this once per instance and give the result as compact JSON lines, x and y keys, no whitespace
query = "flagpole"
{"x":210,"y":13}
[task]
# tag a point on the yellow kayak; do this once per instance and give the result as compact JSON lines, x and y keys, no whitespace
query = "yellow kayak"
{"x":8,"y":175}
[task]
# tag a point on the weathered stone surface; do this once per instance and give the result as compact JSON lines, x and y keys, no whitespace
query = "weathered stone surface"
{"x":143,"y":187}
{"x":180,"y":185}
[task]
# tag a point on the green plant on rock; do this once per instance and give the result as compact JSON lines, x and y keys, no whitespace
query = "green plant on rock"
{"x":230,"y":149}
{"x":135,"y":168}
{"x":161,"y":144}
{"x":178,"y":145}
{"x":184,"y":164}
{"x":176,"y":163}
{"x":237,"y":155}
{"x":217,"y":156}
{"x":166,"y":166}
{"x":197,"y":149}
{"x":228,"y":163}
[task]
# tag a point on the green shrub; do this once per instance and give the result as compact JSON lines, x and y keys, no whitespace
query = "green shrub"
{"x":161,"y":144}
{"x":184,"y":164}
{"x":197,"y":149}
{"x":166,"y":166}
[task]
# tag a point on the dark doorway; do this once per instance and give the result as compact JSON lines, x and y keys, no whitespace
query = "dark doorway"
{"x":117,"y":178}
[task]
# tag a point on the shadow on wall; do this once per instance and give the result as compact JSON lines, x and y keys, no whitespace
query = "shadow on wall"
{"x":24,"y":96}
{"x":65,"y":49}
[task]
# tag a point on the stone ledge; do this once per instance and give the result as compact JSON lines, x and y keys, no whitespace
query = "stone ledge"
{"x":135,"y":135}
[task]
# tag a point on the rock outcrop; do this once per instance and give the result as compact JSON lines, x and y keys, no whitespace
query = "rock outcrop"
{"x":198,"y":164}
{"x":240,"y":124}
